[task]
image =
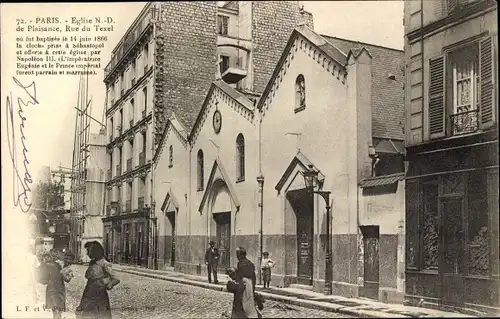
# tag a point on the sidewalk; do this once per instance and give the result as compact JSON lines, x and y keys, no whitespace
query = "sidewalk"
{"x":357,"y":307}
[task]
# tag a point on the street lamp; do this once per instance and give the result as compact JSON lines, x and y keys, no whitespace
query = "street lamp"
{"x":311,"y":182}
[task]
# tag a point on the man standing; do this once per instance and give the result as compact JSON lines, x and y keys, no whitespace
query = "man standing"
{"x":211,"y":260}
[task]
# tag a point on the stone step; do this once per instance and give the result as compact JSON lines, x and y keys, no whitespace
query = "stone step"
{"x":303,"y":287}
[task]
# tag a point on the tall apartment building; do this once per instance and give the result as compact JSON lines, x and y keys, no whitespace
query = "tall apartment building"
{"x":165,"y":63}
{"x":452,"y":257}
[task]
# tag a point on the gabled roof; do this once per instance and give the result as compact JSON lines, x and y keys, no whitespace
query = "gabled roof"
{"x":317,"y":40}
{"x":298,"y":159}
{"x":211,"y":180}
{"x":174,"y":123}
{"x":242,"y":99}
{"x":170,"y":197}
{"x":387,"y":95}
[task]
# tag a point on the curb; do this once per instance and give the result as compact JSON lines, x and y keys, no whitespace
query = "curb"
{"x":285,"y":299}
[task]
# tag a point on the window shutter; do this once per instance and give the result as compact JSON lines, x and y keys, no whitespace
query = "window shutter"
{"x":436,"y":97}
{"x":486,"y":77}
{"x":412,"y":222}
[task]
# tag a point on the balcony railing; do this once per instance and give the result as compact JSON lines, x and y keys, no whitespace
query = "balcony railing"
{"x":128,"y":206}
{"x":109,"y":175}
{"x":140,"y":202}
{"x":131,"y":122}
{"x":142,"y":158}
{"x":463,"y":123}
{"x":129,"y":164}
{"x":144,"y":113}
{"x":118,"y":170}
{"x":133,"y":81}
{"x":130,"y":38}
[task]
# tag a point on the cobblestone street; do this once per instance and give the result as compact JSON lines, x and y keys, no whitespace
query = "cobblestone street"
{"x":140,"y":297}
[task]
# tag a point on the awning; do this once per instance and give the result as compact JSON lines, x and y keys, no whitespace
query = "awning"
{"x":382,"y":180}
{"x":388,"y":146}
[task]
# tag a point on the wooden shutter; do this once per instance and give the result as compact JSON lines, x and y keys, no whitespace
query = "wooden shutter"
{"x":437,"y":97}
{"x":486,"y":77}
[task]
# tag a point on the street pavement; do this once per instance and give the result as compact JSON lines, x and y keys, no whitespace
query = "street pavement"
{"x":142,"y":297}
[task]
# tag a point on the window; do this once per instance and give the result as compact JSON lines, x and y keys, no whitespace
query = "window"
{"x":132,"y":108}
{"x":224,"y":63}
{"x":133,"y":71}
{"x":200,"y":170}
{"x":478,"y":232}
{"x":222,"y":24}
{"x":146,"y":54}
{"x":121,"y":120}
{"x":453,"y":5}
{"x":144,"y":142}
{"x":240,"y":157}
{"x":145,"y":93}
{"x":122,"y":84}
{"x":171,"y":156}
{"x":461,"y":91}
{"x":300,"y":93}
{"x":430,"y":224}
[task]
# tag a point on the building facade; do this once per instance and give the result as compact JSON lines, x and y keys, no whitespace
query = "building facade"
{"x":451,"y":99}
{"x":165,"y":65}
{"x":237,"y":176}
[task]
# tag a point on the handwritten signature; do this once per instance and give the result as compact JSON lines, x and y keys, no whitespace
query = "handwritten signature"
{"x":20,"y":182}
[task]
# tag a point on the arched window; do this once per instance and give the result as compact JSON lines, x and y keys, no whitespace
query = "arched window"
{"x":240,"y":157}
{"x":200,"y":170}
{"x":171,"y":156}
{"x":300,"y":93}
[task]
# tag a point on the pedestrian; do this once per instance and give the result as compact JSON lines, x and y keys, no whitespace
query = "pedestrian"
{"x":212,"y":260}
{"x":100,"y":278}
{"x":236,"y":287}
{"x":246,"y":273}
{"x":266,"y":265}
{"x":51,"y":273}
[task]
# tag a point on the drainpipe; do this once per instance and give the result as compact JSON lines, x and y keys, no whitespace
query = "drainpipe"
{"x":152,"y":219}
{"x":260,"y":181}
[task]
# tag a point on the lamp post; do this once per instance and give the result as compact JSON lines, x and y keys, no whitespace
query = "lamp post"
{"x":311,"y":181}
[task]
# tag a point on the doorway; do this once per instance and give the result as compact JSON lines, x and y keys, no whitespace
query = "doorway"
{"x":127,"y":244}
{"x":223,"y":237}
{"x":171,"y":219}
{"x":371,"y":245}
{"x":451,"y":252}
{"x":302,"y":204}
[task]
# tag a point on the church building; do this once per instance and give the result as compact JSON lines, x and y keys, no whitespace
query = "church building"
{"x":332,"y":109}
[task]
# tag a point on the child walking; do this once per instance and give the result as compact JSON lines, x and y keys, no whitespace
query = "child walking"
{"x":267,"y":264}
{"x":54,"y":273}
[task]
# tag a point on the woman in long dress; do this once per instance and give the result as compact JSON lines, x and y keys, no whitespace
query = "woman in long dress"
{"x":100,"y":279}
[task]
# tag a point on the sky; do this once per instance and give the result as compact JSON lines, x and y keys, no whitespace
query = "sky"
{"x":49,"y":126}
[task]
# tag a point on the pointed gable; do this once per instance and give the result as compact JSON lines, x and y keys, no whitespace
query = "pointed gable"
{"x":317,"y":47}
{"x":236,"y":100}
{"x":170,"y":203}
{"x":301,"y":163}
{"x":172,"y":125}
{"x":218,"y":172}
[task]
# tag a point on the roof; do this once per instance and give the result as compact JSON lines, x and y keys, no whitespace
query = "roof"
{"x":387,"y":95}
{"x":382,"y":180}
{"x":317,"y":40}
{"x":170,"y":197}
